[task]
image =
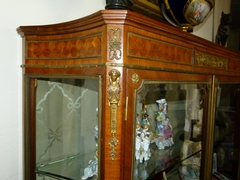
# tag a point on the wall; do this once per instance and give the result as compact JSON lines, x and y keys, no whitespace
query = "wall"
{"x":14,"y":13}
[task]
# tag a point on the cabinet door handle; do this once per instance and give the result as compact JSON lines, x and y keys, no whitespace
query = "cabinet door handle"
{"x":126,"y":109}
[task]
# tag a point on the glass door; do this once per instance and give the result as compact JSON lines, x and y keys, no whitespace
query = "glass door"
{"x":226,"y":139}
{"x":169,"y":130}
{"x":65,"y":128}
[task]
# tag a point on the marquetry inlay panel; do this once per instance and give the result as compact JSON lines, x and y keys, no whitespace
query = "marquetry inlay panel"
{"x":79,"y":47}
{"x":149,"y":48}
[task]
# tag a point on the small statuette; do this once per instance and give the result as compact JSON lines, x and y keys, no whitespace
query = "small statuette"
{"x":138,"y":139}
{"x":163,"y":126}
{"x":92,"y":168}
{"x":143,"y":138}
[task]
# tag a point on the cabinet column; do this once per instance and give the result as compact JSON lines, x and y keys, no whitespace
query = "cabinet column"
{"x":113,"y":118}
{"x":114,"y":115}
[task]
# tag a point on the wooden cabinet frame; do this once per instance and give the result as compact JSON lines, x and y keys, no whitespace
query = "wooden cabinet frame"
{"x":135,"y":46}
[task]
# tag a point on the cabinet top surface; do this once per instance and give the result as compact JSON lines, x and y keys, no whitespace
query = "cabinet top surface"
{"x":142,"y":39}
{"x":116,"y":17}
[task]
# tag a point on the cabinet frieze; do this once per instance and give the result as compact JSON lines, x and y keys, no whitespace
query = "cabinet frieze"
{"x":71,"y":48}
{"x":140,"y":46}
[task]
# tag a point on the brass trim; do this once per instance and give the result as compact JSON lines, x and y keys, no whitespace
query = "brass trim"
{"x":210,"y":129}
{"x":114,"y":90}
{"x":126,"y":109}
{"x":135,"y":78}
{"x":115,"y":44}
{"x":210,"y":60}
{"x":67,"y":39}
{"x":113,"y":142}
{"x":62,"y":66}
{"x":127,"y":66}
{"x":64,"y":58}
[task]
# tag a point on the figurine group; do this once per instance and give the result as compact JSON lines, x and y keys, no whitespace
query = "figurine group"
{"x":162,"y":137}
{"x":92,"y":168}
{"x":143,"y":139}
{"x":163,"y":126}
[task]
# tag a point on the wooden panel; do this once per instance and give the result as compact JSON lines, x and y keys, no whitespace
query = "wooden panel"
{"x":154,"y":49}
{"x":79,"y":47}
{"x":233,"y":65}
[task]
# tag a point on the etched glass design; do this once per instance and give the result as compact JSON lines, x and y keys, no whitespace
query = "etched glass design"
{"x":66,"y":128}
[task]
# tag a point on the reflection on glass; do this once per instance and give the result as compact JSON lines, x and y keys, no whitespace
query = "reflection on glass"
{"x":67,"y":129}
{"x":225,"y":131}
{"x":168,"y":131}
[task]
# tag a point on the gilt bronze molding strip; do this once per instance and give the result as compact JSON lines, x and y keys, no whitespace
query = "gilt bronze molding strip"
{"x":114,"y":90}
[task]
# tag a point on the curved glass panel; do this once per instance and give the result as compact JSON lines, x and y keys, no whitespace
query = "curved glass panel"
{"x":168,"y":137}
{"x":226,"y":139}
{"x":67,"y":124}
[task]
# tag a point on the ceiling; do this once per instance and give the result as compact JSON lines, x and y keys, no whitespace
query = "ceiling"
{"x":235,"y":9}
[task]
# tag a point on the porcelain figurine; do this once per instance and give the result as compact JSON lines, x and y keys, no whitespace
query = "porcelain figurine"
{"x":186,"y":14}
{"x":92,"y":169}
{"x":143,"y":140}
{"x":167,"y":130}
{"x":163,"y":126}
{"x":138,"y":139}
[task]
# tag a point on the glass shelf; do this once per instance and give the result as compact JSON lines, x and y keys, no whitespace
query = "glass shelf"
{"x":169,"y":167}
{"x":70,"y":168}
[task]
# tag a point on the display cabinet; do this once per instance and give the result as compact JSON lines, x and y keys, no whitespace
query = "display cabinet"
{"x":119,"y":95}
